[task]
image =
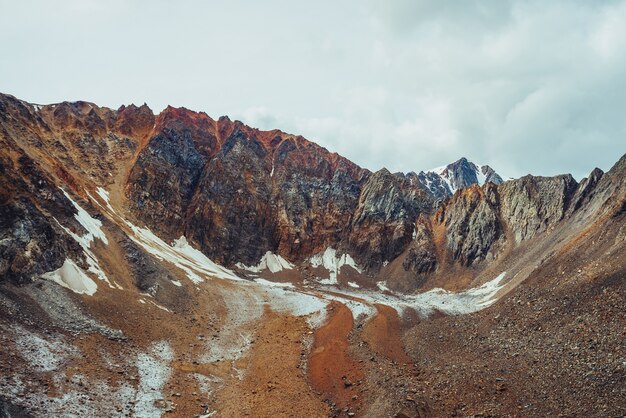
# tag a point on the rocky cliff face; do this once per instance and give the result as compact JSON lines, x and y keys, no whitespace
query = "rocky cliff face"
{"x":472,"y":223}
{"x":383,"y":221}
{"x":481,"y":221}
{"x":239,"y":192}
{"x":531,"y":205}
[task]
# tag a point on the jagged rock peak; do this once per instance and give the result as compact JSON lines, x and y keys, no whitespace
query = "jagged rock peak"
{"x":442,"y":182}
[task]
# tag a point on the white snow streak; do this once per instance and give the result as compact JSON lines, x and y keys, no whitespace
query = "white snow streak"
{"x":465,"y":302}
{"x":105,"y":196}
{"x":383,"y":286}
{"x":194,"y":263}
{"x":92,"y":225}
{"x":70,"y":275}
{"x":273,"y":284}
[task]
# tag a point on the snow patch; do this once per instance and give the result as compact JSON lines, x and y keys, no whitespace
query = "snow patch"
{"x":444,"y":174}
{"x":294,"y":302}
{"x":105,"y":196}
{"x":269,"y":261}
{"x":154,"y":371}
{"x":94,"y":230}
{"x":43,"y":355}
{"x":465,"y":302}
{"x":482,"y":178}
{"x":72,"y":277}
{"x":92,"y":225}
{"x":358,"y":309}
{"x":329,"y":260}
{"x":161,"y":307}
{"x":383,"y":286}
{"x":352,"y":284}
{"x":244,"y":306}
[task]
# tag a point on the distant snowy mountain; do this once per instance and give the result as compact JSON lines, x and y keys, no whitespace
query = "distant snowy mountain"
{"x":443,"y":181}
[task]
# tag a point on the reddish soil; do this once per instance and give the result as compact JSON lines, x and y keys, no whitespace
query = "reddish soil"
{"x":332,"y":370}
{"x":275,"y":382}
{"x":383,"y":333}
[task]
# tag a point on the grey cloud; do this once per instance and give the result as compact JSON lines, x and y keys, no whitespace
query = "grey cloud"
{"x":525,"y":86}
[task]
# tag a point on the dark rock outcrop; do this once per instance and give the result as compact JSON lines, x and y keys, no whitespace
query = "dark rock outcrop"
{"x":163,"y":180}
{"x":31,"y":240}
{"x":383,"y":221}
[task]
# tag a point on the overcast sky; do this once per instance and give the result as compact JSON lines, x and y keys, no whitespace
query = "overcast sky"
{"x":527,"y":87}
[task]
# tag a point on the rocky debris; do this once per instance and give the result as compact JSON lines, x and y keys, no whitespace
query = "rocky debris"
{"x":66,"y":313}
{"x":147,"y":273}
{"x":9,"y":410}
{"x":554,"y":345}
{"x":551,"y":356}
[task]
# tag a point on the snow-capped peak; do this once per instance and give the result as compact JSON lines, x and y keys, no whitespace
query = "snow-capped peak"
{"x":445,"y":180}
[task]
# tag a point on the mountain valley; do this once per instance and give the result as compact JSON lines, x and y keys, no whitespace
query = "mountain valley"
{"x":173,"y":264}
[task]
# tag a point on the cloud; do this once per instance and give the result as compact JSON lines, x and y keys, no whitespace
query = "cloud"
{"x":525,"y":86}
